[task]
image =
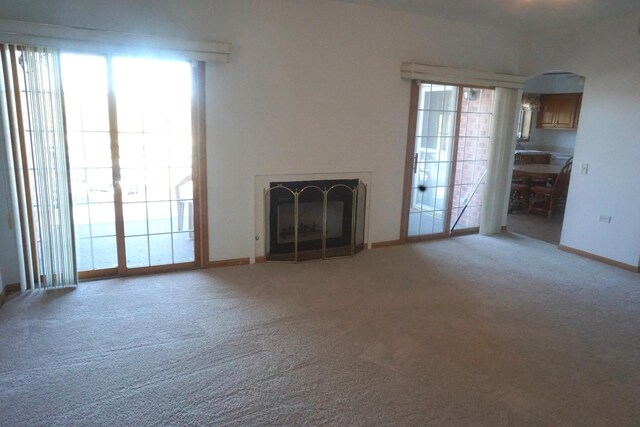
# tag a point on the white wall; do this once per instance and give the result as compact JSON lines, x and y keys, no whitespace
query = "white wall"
{"x":608,"y":55}
{"x":553,"y":83}
{"x":312,"y":87}
{"x":555,"y":141}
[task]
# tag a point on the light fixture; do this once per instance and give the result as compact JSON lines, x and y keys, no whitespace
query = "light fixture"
{"x":470,"y":94}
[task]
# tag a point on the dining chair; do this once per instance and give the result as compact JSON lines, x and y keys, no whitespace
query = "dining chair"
{"x":547,"y":199}
{"x":519,"y":196}
{"x":520,"y":188}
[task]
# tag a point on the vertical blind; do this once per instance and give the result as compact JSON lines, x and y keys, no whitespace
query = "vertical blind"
{"x":495,"y":198}
{"x":35,"y":115}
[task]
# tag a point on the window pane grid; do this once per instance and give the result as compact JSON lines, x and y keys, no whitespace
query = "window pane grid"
{"x":156,"y":133}
{"x":155,"y":140}
{"x":434,"y":143}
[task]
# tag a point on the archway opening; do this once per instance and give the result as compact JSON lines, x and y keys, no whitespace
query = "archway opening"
{"x":543,"y":155}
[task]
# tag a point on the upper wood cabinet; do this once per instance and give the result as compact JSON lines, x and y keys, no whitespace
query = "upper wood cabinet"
{"x":559,"y":111}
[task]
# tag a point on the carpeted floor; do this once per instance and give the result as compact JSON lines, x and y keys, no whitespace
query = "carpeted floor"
{"x":472,"y":330}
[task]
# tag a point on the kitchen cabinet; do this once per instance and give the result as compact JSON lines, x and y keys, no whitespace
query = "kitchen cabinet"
{"x":559,"y":111}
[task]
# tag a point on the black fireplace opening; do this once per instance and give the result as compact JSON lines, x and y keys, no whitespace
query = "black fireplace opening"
{"x":340,"y":217}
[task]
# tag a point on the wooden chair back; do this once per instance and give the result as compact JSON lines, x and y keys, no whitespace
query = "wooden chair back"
{"x":561,"y":184}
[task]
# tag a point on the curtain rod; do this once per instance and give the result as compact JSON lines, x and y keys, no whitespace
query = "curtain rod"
{"x":101,"y":41}
{"x":436,"y":73}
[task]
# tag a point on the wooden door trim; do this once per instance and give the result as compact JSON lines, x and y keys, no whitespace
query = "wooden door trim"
{"x":98,"y":274}
{"x":199,"y":166}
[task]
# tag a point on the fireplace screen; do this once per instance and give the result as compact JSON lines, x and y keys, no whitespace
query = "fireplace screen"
{"x":308,"y":220}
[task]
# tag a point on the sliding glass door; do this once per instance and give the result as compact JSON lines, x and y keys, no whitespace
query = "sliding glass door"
{"x":432,"y":160}
{"x":449,"y":141}
{"x":129,"y":126}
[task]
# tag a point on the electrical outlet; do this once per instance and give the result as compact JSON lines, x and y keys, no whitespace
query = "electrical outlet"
{"x":605,"y":219}
{"x":584,"y":169}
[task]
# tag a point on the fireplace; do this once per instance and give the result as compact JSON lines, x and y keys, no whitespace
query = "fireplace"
{"x":308,"y":220}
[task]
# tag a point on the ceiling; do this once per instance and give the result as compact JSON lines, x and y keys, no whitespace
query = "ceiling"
{"x":527,"y":15}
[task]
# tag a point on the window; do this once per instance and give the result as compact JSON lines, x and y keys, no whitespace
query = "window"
{"x":524,"y":125}
{"x":530,"y":103}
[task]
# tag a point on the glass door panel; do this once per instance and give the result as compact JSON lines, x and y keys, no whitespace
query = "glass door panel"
{"x":153,"y":100}
{"x":84,"y":79}
{"x":473,"y":152}
{"x":432,"y":162}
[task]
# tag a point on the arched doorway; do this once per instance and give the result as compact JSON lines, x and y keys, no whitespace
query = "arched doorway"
{"x":543,"y":154}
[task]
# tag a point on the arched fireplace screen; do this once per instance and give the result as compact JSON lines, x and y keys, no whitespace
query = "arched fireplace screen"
{"x":307,"y":220}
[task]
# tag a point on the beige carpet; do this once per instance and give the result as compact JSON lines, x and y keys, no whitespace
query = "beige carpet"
{"x":468,"y":331}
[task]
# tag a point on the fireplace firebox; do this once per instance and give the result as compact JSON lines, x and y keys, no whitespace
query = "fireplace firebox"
{"x":308,"y":220}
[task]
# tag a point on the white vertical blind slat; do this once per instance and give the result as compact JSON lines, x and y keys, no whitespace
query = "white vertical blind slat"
{"x":505,"y":107}
{"x":52,"y":212}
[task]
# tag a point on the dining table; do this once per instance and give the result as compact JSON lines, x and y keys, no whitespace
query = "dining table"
{"x":536,"y":170}
{"x":525,"y":176}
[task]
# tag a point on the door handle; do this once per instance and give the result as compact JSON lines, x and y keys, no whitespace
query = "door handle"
{"x":415,"y":163}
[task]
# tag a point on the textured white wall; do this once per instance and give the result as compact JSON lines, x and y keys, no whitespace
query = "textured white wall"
{"x":608,"y":55}
{"x":312,"y":87}
{"x":561,"y":141}
{"x":554,"y":83}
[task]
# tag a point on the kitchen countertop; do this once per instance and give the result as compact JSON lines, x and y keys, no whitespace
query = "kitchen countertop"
{"x":553,"y":153}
